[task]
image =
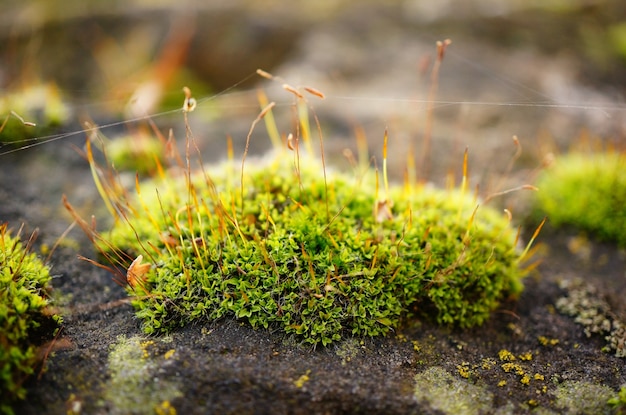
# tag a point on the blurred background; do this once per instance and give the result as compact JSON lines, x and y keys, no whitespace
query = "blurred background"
{"x":547,"y":71}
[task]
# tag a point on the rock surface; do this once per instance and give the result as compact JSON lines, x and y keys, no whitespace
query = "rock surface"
{"x":365,"y":58}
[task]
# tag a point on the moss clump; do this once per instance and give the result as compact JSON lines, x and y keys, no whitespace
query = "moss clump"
{"x":40,"y":104}
{"x":318,"y":258}
{"x":587,"y":191}
{"x":23,"y":315}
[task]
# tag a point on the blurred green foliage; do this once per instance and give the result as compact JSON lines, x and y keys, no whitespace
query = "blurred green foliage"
{"x":588,"y":191}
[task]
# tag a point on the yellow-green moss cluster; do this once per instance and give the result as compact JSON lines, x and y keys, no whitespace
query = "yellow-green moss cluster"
{"x":23,"y":301}
{"x":40,"y":105}
{"x":313,"y":253}
{"x":587,"y":191}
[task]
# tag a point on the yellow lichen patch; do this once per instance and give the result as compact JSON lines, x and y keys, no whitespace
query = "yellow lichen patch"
{"x":165,"y":408}
{"x":506,"y":356}
{"x":464,"y":370}
{"x":144,"y":348}
{"x":538,"y":376}
{"x":526,"y":356}
{"x":502,"y":383}
{"x":525,"y":380}
{"x":488,"y":363}
{"x":513,"y":367}
{"x":302,"y":379}
{"x":169,"y":353}
{"x":545,"y":341}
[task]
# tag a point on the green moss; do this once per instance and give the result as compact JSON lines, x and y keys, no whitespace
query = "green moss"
{"x":310,"y":257}
{"x":134,"y":387}
{"x":587,"y":191}
{"x":23,"y":315}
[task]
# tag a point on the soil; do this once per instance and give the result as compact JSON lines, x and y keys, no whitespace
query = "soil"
{"x":226,"y":367}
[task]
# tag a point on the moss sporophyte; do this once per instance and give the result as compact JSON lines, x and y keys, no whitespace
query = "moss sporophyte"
{"x":285,"y":242}
{"x":24,"y":314}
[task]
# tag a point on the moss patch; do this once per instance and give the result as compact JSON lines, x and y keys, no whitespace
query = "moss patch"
{"x":31,"y":112}
{"x":24,"y":315}
{"x":587,"y":191}
{"x":313,"y":257}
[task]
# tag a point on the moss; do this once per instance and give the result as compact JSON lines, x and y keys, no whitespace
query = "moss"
{"x":24,"y":315}
{"x":310,"y":256}
{"x":587,"y":191}
{"x":40,"y":104}
{"x":287,"y":244}
{"x":134,"y":387}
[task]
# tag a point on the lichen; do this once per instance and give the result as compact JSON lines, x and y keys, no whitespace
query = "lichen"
{"x":580,"y":397}
{"x":134,"y":387}
{"x":451,"y":395}
{"x":25,"y":317}
{"x":594,"y":314}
